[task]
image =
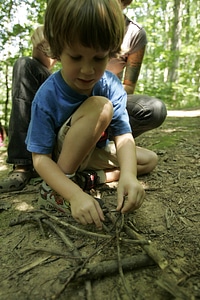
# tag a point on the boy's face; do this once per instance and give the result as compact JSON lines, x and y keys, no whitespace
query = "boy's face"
{"x":82,"y":67}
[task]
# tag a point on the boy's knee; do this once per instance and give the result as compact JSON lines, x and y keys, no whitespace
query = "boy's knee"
{"x":153,"y":161}
{"x":95,"y":108}
{"x":103,"y":108}
{"x":102,"y":103}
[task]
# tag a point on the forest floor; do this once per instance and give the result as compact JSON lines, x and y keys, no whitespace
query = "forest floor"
{"x":49,"y":256}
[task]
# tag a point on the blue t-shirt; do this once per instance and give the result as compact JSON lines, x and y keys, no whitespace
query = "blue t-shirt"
{"x":55,"y":102}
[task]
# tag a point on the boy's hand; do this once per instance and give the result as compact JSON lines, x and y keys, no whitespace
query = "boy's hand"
{"x":86,"y":210}
{"x":129,"y":186}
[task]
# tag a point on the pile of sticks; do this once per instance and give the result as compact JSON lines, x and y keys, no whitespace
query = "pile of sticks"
{"x":87,"y":272}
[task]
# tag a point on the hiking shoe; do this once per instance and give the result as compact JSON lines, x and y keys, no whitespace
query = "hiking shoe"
{"x":87,"y":179}
{"x":49,"y":199}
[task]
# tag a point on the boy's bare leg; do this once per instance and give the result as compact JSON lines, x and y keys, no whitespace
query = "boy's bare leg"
{"x":87,"y":126}
{"x":146,"y":162}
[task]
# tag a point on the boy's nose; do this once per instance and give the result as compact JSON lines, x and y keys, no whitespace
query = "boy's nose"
{"x":87,"y":69}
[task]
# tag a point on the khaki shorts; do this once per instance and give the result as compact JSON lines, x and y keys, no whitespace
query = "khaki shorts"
{"x":97,"y":159}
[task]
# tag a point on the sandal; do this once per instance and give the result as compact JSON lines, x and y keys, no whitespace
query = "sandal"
{"x":15,"y":181}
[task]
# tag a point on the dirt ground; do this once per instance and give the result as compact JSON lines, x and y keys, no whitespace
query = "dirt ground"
{"x":47,"y":256}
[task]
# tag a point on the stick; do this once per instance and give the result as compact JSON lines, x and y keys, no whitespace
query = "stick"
{"x":168,"y":283}
{"x":98,"y":235}
{"x":120,"y":267}
{"x":149,"y":249}
{"x":110,"y":267}
{"x":64,"y":238}
{"x":53,"y":252}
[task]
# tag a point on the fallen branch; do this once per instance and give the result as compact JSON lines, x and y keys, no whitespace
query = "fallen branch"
{"x":68,"y":278}
{"x":149,"y":249}
{"x":111,"y":267}
{"x":64,"y":238}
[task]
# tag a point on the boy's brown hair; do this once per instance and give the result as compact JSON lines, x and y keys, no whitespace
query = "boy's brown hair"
{"x":126,"y":2}
{"x":98,"y":24}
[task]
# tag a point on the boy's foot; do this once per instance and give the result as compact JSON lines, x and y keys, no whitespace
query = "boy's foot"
{"x":87,"y":179}
{"x":17,"y":179}
{"x":49,"y":199}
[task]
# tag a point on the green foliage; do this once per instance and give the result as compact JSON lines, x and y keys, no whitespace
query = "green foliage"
{"x":18,"y":20}
{"x":171,"y":65}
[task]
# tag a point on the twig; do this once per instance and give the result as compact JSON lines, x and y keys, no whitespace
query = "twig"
{"x":135,"y":242}
{"x":168,"y":217}
{"x":19,"y":242}
{"x":64,"y":238}
{"x":33,"y":265}
{"x":168,"y":284}
{"x":121,"y":273}
{"x":50,"y":251}
{"x":88,"y":288}
{"x":77,"y":269}
{"x":65,"y":224}
{"x":149,"y":249}
{"x":181,"y":280}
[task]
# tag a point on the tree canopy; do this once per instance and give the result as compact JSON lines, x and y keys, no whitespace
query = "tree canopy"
{"x":170,"y":70}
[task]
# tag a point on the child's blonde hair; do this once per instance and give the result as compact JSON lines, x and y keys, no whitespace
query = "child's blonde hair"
{"x":93,"y":23}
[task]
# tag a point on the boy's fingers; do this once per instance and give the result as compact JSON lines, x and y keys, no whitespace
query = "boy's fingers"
{"x":99,"y":204}
{"x":133,"y":202}
{"x":120,"y":200}
{"x":95,"y":216}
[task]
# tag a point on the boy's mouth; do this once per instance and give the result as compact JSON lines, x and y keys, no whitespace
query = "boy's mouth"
{"x":86,"y":81}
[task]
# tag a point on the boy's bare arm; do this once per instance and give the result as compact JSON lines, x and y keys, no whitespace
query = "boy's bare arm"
{"x":128,"y":184}
{"x":85,"y":209}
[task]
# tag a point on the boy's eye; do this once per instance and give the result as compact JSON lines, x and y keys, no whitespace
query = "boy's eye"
{"x":100,"y":58}
{"x":75,"y":57}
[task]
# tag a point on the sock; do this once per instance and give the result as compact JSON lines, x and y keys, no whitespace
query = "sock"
{"x":70,"y":175}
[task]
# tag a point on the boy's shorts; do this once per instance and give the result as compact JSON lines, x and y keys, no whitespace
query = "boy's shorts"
{"x":98,"y":158}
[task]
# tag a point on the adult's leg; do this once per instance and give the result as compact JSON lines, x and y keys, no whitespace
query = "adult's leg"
{"x":145,"y":113}
{"x":28,"y":75}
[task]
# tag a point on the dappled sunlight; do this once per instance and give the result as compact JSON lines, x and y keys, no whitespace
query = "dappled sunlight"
{"x":4,"y":168}
{"x":183,"y":113}
{"x":169,"y":130}
{"x":22,"y":206}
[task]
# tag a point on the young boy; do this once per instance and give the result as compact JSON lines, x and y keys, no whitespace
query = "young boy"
{"x":83,"y":35}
